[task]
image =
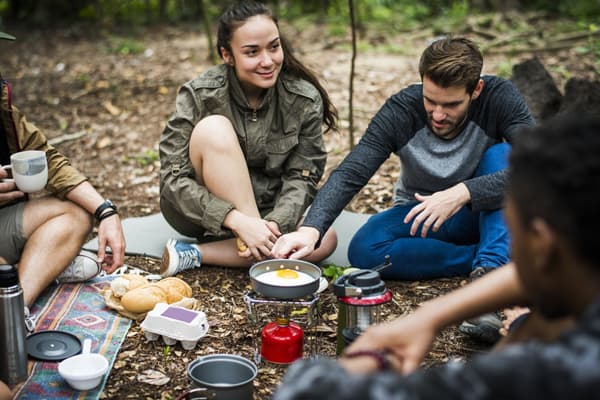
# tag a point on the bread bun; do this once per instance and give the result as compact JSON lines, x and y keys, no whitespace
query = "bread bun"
{"x":176,"y":289}
{"x":241,"y":246}
{"x":125,"y":283}
{"x":144,"y":298}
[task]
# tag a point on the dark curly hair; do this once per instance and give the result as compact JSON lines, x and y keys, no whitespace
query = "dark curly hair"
{"x":554,"y":174}
{"x":236,"y":15}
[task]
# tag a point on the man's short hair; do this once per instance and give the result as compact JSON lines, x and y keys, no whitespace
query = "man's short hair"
{"x":554,"y":175}
{"x":451,"y":62}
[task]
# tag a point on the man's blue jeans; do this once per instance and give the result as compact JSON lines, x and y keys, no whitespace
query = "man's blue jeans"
{"x":465,"y":241}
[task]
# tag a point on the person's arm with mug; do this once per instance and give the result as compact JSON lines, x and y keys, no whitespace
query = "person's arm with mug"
{"x":66,"y":182}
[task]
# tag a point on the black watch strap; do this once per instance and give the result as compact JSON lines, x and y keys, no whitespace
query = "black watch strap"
{"x":107,"y":204}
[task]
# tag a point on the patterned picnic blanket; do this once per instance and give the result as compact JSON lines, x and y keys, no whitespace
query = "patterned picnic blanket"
{"x":78,"y":309}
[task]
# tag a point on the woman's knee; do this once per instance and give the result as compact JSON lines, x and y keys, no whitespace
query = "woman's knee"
{"x":213,"y":133}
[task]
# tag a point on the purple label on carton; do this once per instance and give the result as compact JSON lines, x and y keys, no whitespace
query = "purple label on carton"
{"x":179,"y":314}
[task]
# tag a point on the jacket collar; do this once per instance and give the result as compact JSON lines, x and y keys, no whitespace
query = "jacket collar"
{"x":238,"y":95}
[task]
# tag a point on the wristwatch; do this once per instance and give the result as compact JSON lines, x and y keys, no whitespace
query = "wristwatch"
{"x":107,"y":204}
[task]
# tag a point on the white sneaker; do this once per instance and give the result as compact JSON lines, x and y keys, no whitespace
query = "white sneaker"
{"x":83,"y":268}
{"x":30,"y":320}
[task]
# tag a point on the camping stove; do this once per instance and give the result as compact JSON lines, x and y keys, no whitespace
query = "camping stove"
{"x":282,"y":340}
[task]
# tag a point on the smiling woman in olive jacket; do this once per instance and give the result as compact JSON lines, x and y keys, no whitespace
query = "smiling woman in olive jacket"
{"x":243,"y":153}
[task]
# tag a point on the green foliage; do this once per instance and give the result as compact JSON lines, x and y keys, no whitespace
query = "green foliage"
{"x":504,"y":69}
{"x":395,"y":14}
{"x":332,"y":272}
{"x":125,"y":46}
{"x":147,"y":157}
{"x":582,"y":9}
{"x":166,"y":352}
{"x":562,"y":71}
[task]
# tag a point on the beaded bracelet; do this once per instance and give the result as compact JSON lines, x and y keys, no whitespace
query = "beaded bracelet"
{"x":382,"y":362}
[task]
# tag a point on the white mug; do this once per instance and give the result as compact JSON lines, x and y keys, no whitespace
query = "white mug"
{"x":29,"y":170}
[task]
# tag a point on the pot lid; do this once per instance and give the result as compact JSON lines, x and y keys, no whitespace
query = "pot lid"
{"x":52,"y":345}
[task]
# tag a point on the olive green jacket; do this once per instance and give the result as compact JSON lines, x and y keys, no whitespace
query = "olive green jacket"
{"x":282,"y":142}
{"x":23,"y":135}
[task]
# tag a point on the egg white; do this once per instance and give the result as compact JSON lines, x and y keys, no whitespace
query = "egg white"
{"x":271,"y":278}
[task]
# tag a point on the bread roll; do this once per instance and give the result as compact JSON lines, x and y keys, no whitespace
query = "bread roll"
{"x":176,"y":289}
{"x":125,"y":283}
{"x":144,"y":298}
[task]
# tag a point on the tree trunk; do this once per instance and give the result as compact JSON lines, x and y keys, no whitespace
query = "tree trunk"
{"x":351,"y":88}
{"x":162,"y":10}
{"x":212,"y":54}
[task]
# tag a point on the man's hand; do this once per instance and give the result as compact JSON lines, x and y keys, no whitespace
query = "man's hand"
{"x":8,"y":189}
{"x":110,"y":233}
{"x":296,"y":245}
{"x":432,"y":211}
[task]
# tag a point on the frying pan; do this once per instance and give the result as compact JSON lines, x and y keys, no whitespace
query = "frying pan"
{"x":284,"y":292}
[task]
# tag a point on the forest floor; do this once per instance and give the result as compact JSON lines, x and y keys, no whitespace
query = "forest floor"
{"x":112,"y":92}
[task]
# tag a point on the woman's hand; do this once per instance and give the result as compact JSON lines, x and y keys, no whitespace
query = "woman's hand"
{"x":258,"y":235}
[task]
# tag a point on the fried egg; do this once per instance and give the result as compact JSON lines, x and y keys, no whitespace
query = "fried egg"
{"x":285,"y":277}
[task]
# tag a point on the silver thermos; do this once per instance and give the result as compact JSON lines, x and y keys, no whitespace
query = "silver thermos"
{"x":13,"y":359}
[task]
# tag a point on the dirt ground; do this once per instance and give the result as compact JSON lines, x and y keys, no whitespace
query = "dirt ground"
{"x":79,"y":82}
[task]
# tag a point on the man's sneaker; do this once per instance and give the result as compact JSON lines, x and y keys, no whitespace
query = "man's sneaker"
{"x":83,"y":268}
{"x":478,"y":272}
{"x":485,"y":328}
{"x":179,"y":256}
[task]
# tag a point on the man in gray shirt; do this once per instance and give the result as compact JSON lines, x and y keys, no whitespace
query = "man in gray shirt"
{"x":452,"y":133}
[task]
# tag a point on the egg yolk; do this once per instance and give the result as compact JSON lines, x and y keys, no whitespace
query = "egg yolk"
{"x":287,"y":274}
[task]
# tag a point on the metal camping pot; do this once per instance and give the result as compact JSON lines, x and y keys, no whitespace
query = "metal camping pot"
{"x":221,"y":377}
{"x":360,"y":295}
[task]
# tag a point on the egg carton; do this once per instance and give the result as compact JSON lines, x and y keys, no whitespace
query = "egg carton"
{"x":175,"y":324}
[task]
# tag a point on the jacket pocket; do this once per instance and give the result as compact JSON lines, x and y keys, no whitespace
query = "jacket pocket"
{"x":278,"y":151}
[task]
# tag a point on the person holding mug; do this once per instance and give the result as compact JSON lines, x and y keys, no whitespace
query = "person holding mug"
{"x":43,"y":236}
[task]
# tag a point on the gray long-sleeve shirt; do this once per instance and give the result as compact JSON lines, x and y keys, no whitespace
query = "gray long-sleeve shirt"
{"x":429,"y":163}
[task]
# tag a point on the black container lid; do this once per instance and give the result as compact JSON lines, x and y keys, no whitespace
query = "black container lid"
{"x":8,"y":276}
{"x":369,"y":282}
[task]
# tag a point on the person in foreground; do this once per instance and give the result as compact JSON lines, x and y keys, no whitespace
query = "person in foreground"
{"x":452,"y":134}
{"x":552,"y":215}
{"x":243,"y":153}
{"x":43,"y":236}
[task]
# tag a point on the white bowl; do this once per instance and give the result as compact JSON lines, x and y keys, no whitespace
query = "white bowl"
{"x":83,"y":371}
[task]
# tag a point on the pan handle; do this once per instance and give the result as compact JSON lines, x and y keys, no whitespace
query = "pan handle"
{"x":187,"y":393}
